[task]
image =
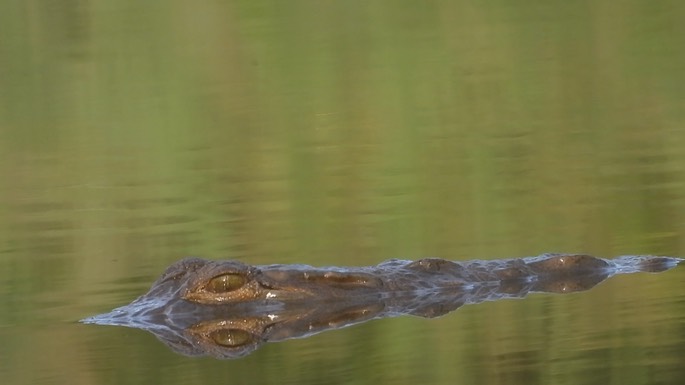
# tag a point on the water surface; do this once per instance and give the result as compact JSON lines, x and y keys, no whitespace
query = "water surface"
{"x":342,"y":133}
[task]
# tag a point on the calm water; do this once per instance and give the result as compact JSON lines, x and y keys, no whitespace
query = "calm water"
{"x":342,"y":133}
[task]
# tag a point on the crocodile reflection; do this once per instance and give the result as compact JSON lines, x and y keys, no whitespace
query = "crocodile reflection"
{"x":227,"y":309}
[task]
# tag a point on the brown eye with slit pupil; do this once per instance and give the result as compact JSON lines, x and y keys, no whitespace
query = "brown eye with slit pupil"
{"x":231,"y":337}
{"x":225,"y":283}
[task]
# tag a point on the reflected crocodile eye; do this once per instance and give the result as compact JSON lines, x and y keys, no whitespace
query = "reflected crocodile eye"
{"x":231,"y":337}
{"x":224,"y":283}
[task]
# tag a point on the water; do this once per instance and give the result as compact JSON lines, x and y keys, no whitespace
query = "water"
{"x":342,"y":133}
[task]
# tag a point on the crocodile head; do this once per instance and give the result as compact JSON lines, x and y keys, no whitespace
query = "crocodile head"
{"x":226,"y":282}
{"x":193,"y":288}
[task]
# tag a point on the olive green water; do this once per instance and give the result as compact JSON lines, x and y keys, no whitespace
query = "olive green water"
{"x":342,"y":133}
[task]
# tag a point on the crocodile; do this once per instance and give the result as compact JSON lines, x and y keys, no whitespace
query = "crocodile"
{"x":228,"y":309}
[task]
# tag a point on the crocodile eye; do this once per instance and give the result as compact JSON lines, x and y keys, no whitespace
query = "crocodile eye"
{"x":231,"y":337}
{"x":225,"y":283}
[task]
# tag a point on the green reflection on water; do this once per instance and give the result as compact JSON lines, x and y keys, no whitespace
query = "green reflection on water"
{"x":329,"y":132}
